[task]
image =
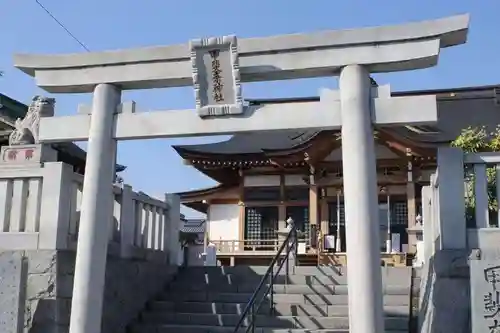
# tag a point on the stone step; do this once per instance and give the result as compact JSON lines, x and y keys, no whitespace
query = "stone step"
{"x":220,"y":329}
{"x":246,"y":271}
{"x":278,"y":298}
{"x":191,"y":278}
{"x":309,"y":322}
{"x":261,"y":270}
{"x":318,"y":289}
{"x":280,"y":309}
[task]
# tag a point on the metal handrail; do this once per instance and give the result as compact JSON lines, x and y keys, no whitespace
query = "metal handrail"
{"x":253,"y":307}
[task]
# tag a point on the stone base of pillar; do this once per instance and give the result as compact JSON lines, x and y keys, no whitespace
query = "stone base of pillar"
{"x":129,"y":284}
{"x":445,"y":293}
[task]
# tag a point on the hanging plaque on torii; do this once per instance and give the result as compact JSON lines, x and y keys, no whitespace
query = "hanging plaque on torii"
{"x":216,"y":76}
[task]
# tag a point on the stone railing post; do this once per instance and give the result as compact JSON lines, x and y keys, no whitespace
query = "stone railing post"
{"x":172,"y":228}
{"x":452,"y":223}
{"x":127,"y":222}
{"x":55,"y":210}
{"x":426,"y":195}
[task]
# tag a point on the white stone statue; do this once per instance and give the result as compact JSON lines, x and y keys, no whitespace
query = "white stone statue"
{"x":26,"y":130}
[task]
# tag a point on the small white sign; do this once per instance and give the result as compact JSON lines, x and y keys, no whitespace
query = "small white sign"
{"x":405,"y":248}
{"x":301,"y":248}
{"x":329,"y":242}
{"x":396,"y":243}
{"x":211,"y":255}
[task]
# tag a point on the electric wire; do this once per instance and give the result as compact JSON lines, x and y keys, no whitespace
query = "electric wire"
{"x":62,"y":25}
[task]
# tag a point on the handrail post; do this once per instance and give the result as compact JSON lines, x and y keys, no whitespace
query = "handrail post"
{"x":287,"y":262}
{"x":271,"y":297}
{"x":248,"y":317}
{"x":252,"y":320}
{"x":294,"y":249}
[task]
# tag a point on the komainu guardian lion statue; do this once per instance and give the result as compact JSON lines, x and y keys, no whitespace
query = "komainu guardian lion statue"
{"x":26,"y":130}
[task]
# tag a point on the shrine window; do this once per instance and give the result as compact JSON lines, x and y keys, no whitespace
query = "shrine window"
{"x":399,"y":213}
{"x":297,"y":193}
{"x":333,"y":224}
{"x":332,"y":207}
{"x":271,"y":194}
{"x":261,"y":224}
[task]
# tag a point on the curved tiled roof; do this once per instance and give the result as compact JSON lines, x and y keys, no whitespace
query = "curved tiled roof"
{"x":252,"y":143}
{"x":195,"y":226}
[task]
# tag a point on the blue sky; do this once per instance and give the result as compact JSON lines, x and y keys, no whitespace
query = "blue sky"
{"x":153,"y":166}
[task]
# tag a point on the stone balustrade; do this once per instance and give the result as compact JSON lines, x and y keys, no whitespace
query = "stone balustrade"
{"x":448,"y":241}
{"x":40,"y":210}
{"x":460,"y":177}
{"x":40,"y":204}
{"x":139,"y":224}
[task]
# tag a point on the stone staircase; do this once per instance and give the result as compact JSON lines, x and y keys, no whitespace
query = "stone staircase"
{"x":211,"y":299}
{"x":307,"y":260}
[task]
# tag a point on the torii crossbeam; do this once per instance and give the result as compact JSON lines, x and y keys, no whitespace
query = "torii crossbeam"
{"x":325,"y":114}
{"x":355,"y":108}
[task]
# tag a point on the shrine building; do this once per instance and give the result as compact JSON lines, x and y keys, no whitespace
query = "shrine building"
{"x":266,"y":178}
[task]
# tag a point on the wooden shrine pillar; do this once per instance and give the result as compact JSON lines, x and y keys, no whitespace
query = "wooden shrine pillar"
{"x":324,"y":215}
{"x":282,"y":207}
{"x":313,"y":210}
{"x":324,"y":219}
{"x":411,"y":208}
{"x":206,"y":235}
{"x":241,"y":218}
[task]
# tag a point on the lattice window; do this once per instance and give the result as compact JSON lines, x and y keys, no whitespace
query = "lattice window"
{"x":399,"y":213}
{"x":261,"y":222}
{"x":333,"y":216}
{"x":253,"y":223}
{"x":300,"y":215}
{"x":332,"y":223}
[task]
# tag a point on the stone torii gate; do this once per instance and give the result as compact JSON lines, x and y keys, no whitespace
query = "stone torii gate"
{"x":216,"y":67}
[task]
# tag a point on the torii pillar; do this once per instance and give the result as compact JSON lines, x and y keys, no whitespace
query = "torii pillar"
{"x":209,"y":65}
{"x":360,"y":202}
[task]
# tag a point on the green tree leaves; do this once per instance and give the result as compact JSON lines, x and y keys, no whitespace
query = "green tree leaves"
{"x":474,"y":140}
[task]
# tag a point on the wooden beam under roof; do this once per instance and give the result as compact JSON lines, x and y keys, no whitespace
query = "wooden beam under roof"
{"x":324,"y":148}
{"x":401,"y":144}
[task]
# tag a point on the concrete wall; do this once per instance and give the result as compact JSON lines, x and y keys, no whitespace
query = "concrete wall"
{"x":445,"y":293}
{"x":223,"y":223}
{"x":194,"y":255}
{"x":49,"y":283}
{"x":12,"y":292}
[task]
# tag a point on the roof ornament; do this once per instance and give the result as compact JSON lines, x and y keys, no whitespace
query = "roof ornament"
{"x":216,"y":76}
{"x":26,"y":129}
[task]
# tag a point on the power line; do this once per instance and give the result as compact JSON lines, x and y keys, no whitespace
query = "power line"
{"x":61,"y":25}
